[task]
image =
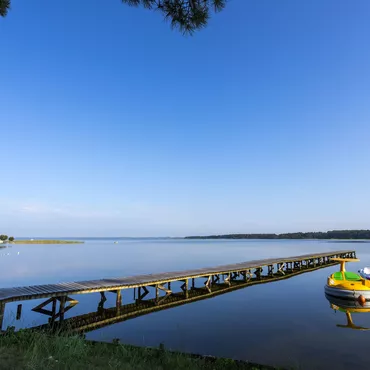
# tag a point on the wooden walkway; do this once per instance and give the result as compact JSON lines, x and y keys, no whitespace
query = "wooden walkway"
{"x":114,"y":284}
{"x":215,"y":279}
{"x":103,"y":317}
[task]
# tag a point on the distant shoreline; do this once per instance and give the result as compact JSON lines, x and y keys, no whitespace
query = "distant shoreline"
{"x":328,"y":235}
{"x":46,"y":242}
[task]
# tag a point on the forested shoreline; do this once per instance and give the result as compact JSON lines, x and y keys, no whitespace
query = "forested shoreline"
{"x":333,"y":234}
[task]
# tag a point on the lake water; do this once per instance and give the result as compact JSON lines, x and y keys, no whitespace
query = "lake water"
{"x":285,"y":323}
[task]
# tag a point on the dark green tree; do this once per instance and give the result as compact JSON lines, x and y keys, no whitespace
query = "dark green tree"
{"x":186,"y":15}
{"x":11,"y":238}
{"x":4,"y":7}
{"x":3,"y":237}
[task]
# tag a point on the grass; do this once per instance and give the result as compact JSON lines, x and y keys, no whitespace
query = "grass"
{"x":33,"y":350}
{"x":41,"y":241}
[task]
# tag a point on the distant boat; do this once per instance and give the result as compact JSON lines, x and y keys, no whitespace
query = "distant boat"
{"x":115,"y":242}
{"x":365,"y":273}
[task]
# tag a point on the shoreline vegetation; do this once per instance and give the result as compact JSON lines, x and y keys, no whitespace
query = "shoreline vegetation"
{"x":4,"y":239}
{"x":333,"y":234}
{"x":35,"y":350}
{"x":41,"y":241}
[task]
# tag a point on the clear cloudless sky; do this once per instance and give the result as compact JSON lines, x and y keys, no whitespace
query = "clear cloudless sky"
{"x":112,"y":124}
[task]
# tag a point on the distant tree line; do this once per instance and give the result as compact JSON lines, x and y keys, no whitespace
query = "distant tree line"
{"x":4,"y":238}
{"x":333,"y":234}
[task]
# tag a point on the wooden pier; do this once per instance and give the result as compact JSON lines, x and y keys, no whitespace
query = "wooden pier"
{"x":217,"y":280}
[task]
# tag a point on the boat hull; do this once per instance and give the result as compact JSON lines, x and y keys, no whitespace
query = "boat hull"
{"x":347,"y":293}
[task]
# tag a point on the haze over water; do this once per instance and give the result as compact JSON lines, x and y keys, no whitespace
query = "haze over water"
{"x":286,"y":323}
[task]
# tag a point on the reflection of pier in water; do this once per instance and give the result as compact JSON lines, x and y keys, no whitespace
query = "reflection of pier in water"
{"x":213,"y":281}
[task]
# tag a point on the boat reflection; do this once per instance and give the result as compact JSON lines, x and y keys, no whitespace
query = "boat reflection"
{"x":349,"y":307}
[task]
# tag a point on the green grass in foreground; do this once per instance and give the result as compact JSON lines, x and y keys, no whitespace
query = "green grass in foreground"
{"x":41,"y":241}
{"x":31,"y":350}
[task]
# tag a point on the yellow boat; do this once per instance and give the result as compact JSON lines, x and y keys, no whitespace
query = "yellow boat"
{"x":349,"y":308}
{"x":347,"y":285}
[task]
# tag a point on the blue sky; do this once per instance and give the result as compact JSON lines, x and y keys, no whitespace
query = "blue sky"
{"x":113,"y":124}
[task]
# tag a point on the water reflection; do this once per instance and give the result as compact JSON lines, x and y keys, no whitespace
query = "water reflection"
{"x":4,"y":253}
{"x":138,"y":306}
{"x":288,"y":323}
{"x":349,"y":307}
{"x":103,"y":316}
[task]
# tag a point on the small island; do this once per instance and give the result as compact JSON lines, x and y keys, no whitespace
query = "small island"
{"x":333,"y":234}
{"x":11,"y":240}
{"x":42,"y":241}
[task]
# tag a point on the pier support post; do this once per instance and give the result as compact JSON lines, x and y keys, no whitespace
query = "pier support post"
{"x":159,"y":287}
{"x":227,"y":280}
{"x":280,"y":267}
{"x":142,"y":295}
{"x":207,"y":284}
{"x":185,"y":288}
{"x":53,"y":312}
{"x":248,"y":275}
{"x":244,"y":274}
{"x":19,"y":312}
{"x":102,"y":301}
{"x":54,"y":307}
{"x":118,"y":299}
{"x":62,"y":307}
{"x":257,"y":272}
{"x":192,"y":283}
{"x":270,"y":270}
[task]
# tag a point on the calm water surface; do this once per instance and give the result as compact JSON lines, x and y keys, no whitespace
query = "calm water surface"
{"x":286,"y":323}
